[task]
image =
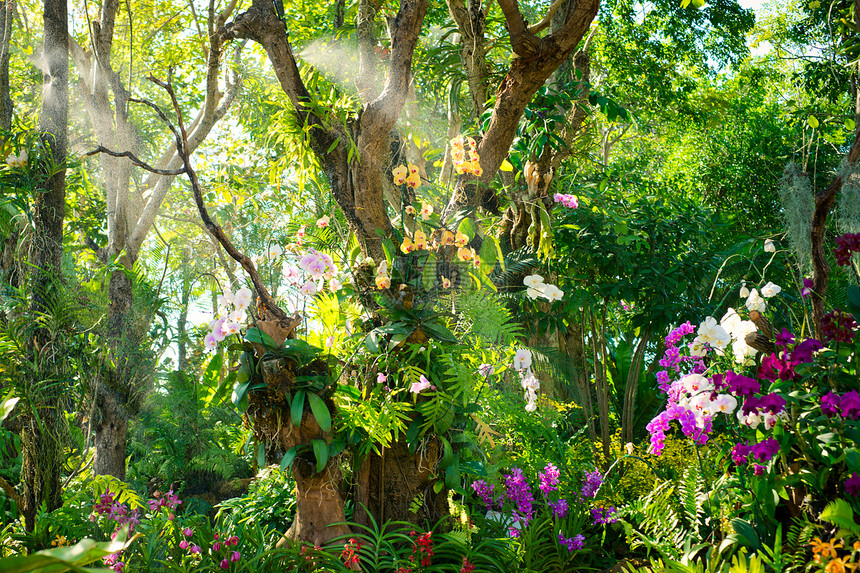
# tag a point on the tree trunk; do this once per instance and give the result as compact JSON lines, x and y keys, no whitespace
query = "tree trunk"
{"x":109,"y":436}
{"x":389,"y":484}
{"x":320,"y":499}
{"x":41,"y":438}
{"x":6,"y":17}
{"x":629,"y":405}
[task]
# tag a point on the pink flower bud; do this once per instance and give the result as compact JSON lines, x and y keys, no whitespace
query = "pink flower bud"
{"x":225,"y":564}
{"x":236,"y":556}
{"x":216,"y":546}
{"x":187,"y":532}
{"x":183,"y":544}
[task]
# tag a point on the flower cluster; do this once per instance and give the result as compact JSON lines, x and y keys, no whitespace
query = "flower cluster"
{"x":485,"y":492}
{"x":422,"y":549}
{"x":406,"y":174}
{"x":536,"y":288}
{"x":17,"y":161}
{"x":593,"y":481}
{"x":569,"y":201}
{"x":838,"y":326}
{"x":227,"y":556}
{"x":383,"y":280}
{"x":574,"y":543}
{"x":846,"y":406}
{"x":319,"y":266}
{"x":349,"y":555}
{"x":603,"y":515}
{"x":548,"y":479}
{"x":846,"y":245}
{"x":458,"y":156}
{"x":188,"y":544}
{"x":467,"y":566}
{"x":762,"y":451}
{"x":108,"y":506}
{"x":422,"y":384}
{"x":231,"y":318}
{"x":520,"y":494}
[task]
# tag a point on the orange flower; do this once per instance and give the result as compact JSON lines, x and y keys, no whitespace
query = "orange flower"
{"x":407,"y":246}
{"x":824,"y":549}
{"x":835,"y":566}
{"x":410,"y":210}
{"x":465,"y":254}
{"x":461,"y":240}
{"x":447,"y":238}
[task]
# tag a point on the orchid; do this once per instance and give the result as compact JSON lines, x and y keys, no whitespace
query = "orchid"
{"x":421,"y":385}
{"x":769,"y":290}
{"x":323,"y":222}
{"x":769,"y":247}
{"x":308,"y":289}
{"x":522,"y":359}
{"x":755,"y":302}
{"x":426,"y":211}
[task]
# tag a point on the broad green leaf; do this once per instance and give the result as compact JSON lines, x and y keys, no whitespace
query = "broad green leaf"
{"x":298,"y":407}
{"x":488,"y":254}
{"x":261,"y":455}
{"x":452,"y":473}
{"x":64,"y":559}
{"x":448,"y":453}
{"x":812,"y":121}
{"x":287,"y":460}
{"x":320,"y":411}
{"x":320,"y":452}
{"x":256,"y":335}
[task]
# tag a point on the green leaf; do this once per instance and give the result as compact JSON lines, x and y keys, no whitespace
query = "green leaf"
{"x":287,"y":460}
{"x":428,"y":274}
{"x":255,"y":335}
{"x":320,"y":452}
{"x":467,"y":228}
{"x":64,"y":559}
{"x":439,"y":332}
{"x":840,"y":514}
{"x":298,"y":407}
{"x":320,"y":411}
{"x":448,"y":452}
{"x":812,"y":121}
{"x":7,"y":405}
{"x":452,"y":473}
{"x":261,"y":455}
{"x":488,"y":254}
{"x":852,"y":298}
{"x":850,"y":124}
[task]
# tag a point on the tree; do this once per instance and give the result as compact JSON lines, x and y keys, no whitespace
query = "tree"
{"x":41,"y":446}
{"x":118,"y":394}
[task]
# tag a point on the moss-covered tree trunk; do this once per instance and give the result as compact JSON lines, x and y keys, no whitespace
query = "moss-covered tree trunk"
{"x":41,"y":443}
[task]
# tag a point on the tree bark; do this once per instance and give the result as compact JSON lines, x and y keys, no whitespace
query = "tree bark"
{"x":823,"y":204}
{"x":6,"y":17}
{"x":109,"y":436}
{"x":40,"y":439}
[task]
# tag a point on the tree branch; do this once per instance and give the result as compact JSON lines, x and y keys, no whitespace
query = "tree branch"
{"x":134,"y":159}
{"x":823,"y":203}
{"x":524,"y":43}
{"x":547,"y":19}
{"x":211,"y":225}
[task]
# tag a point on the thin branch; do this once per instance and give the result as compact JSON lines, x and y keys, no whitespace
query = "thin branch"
{"x":135,"y":160}
{"x":214,"y":228}
{"x":543,"y":24}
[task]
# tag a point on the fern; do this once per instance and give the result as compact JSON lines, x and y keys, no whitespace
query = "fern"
{"x":484,"y":315}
